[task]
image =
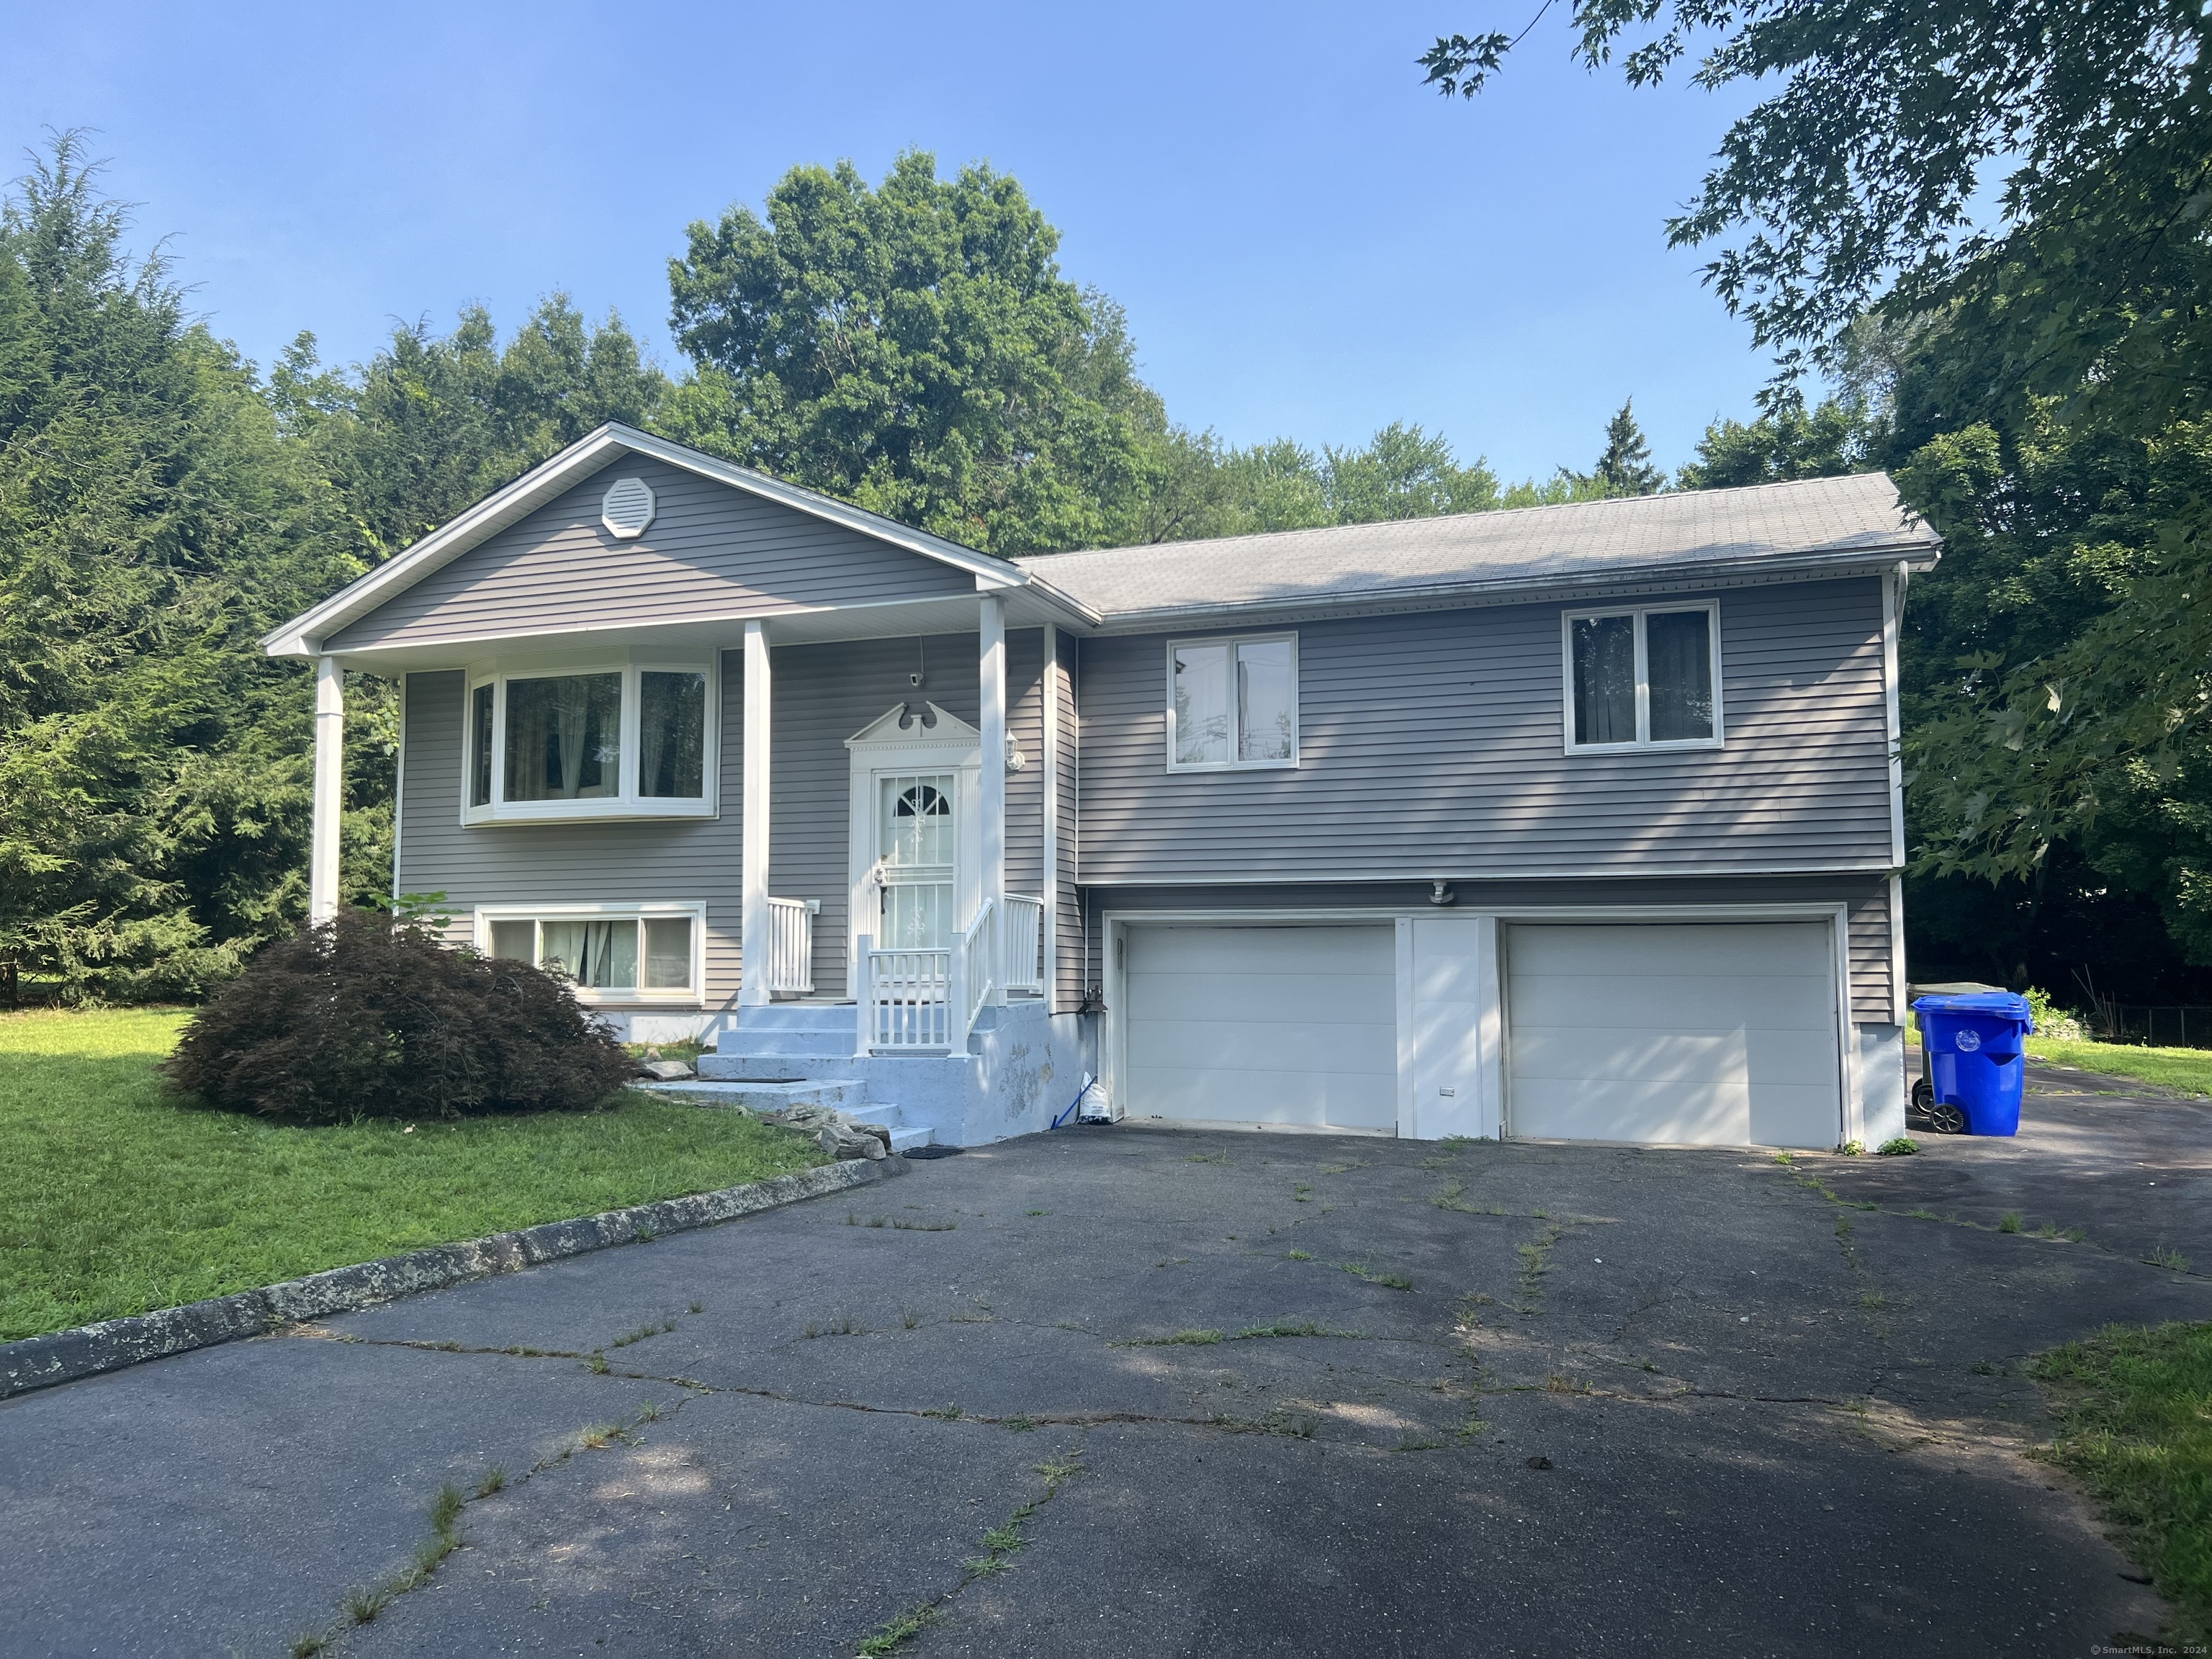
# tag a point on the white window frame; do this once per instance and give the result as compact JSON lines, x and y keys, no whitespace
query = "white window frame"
{"x":626,"y":802}
{"x":1232,"y":764}
{"x":693,"y":995}
{"x":1643,"y":743}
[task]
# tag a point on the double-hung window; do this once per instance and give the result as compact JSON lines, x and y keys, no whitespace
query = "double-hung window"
{"x":1233,"y":704}
{"x":610,"y":953}
{"x":597,"y":740}
{"x":1643,"y":677}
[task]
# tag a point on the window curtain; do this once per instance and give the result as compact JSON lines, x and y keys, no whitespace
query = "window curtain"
{"x":671,"y":735}
{"x":1605,"y":679}
{"x":563,"y":738}
{"x":597,"y":955}
{"x":1679,"y":658}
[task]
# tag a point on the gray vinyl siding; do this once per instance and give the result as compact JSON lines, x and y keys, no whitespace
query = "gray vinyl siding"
{"x":1068,"y":969}
{"x":1866,"y":930}
{"x":678,"y":860}
{"x":1430,"y":744}
{"x":712,"y":552}
{"x":823,"y":695}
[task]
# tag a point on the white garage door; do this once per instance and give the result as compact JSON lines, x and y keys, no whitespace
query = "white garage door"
{"x":1262,"y":1024}
{"x":1718,"y":1035}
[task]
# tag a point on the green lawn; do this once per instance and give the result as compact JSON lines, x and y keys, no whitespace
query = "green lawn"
{"x":112,"y":1200}
{"x":2171,"y":1068}
{"x":2134,"y":1414}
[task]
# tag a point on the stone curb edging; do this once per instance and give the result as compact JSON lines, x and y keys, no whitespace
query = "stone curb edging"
{"x":40,"y":1362}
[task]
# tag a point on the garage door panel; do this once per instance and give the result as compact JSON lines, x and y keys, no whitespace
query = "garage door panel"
{"x":1567,"y":1053}
{"x":1274,"y":999}
{"x":1691,"y":948}
{"x":1687,"y":1001}
{"x":1721,"y":1034}
{"x":1262,"y":1024}
{"x":1663,"y":1113}
{"x":1229,"y":950}
{"x":1226,"y":1046}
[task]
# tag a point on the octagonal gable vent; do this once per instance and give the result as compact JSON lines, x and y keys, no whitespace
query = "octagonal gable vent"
{"x":627,"y":508}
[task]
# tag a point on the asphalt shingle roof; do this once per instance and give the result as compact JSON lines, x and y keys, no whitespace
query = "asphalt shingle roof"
{"x":1851,"y":518}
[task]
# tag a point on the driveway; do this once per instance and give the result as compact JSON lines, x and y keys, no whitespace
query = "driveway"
{"x":1516,"y":1399}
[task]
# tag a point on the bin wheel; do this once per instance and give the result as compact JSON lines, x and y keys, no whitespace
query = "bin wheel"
{"x":1923,"y":1096}
{"x":1946,"y":1118}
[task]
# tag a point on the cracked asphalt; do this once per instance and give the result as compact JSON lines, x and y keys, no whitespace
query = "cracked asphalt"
{"x":1143,"y":1391}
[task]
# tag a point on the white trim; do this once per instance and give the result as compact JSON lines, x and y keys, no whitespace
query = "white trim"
{"x":1893,"y":593}
{"x":1643,"y":743}
{"x":304,"y":635}
{"x":325,"y":850}
{"x":1232,"y":642}
{"x":693,"y":995}
{"x":1048,"y":780}
{"x":1429,"y":873}
{"x":1897,"y":950}
{"x":991,"y":667}
{"x":1408,"y":1125}
{"x":399,"y":787}
{"x":626,"y":802}
{"x":753,"y":835}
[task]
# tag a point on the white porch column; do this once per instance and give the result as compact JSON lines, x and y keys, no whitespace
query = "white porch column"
{"x":329,"y":790}
{"x":753,"y":831}
{"x":994,"y":726}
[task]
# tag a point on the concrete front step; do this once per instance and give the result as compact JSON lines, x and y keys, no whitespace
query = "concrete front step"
{"x":754,"y":1045}
{"x":841,"y":1093}
{"x":795,"y":1017}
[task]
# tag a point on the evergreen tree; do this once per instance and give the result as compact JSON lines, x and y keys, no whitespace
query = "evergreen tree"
{"x":1625,"y":468}
{"x":1838,"y":436}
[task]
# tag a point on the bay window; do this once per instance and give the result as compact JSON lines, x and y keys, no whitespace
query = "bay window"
{"x":1643,"y":677}
{"x":604,"y":741}
{"x":1233,"y":704}
{"x":613,"y":953}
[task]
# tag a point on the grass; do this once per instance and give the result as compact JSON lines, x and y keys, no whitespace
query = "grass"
{"x":2135,"y":1425}
{"x":2188,"y":1069}
{"x":114,"y":1200}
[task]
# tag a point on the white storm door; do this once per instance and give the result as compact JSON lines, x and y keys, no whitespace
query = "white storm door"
{"x":1714,"y":1034}
{"x":917,"y":859}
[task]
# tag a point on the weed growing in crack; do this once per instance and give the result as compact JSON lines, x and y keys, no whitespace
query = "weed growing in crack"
{"x":602,"y":1434}
{"x":495,"y":1479}
{"x":446,"y":1509}
{"x":308,"y":1643}
{"x":1207,"y":1158}
{"x":1559,"y":1383}
{"x":2009,"y":1222}
{"x":1019,"y":1426}
{"x":1303,"y":1192}
{"x":1302,"y":1328}
{"x":1281,"y":1420}
{"x":596,"y":1364}
{"x":893,"y":1631}
{"x":642,"y":1332}
{"x":1360,"y":1270}
{"x":908,"y":1320}
{"x":1435,"y":1163}
{"x":646,"y":1236}
{"x":1873,"y":1299}
{"x":1300,"y":1255}
{"x":1535,"y":1263}
{"x":847,"y":1326}
{"x":694,"y":1307}
{"x":950,"y":1413}
{"x":1187,"y":1339}
{"x":923,"y":1226}
{"x":361,"y":1606}
{"x":2167,"y":1256}
{"x":650,"y":1412}
{"x":1413,"y":1441}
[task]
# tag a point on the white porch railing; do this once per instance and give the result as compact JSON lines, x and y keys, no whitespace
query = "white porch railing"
{"x":979,"y":966}
{"x":930,"y":998}
{"x":1023,"y":944}
{"x":791,"y":944}
{"x":907,"y":999}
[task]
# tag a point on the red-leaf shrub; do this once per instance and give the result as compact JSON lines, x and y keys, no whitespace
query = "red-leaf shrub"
{"x":360,"y":1018}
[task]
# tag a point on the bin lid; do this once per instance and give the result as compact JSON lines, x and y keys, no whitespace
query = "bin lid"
{"x":2004,"y":1005}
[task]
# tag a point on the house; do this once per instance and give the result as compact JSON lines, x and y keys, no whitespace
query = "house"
{"x":1578,"y":821}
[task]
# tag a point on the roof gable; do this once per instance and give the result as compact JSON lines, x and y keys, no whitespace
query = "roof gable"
{"x":550,"y":497}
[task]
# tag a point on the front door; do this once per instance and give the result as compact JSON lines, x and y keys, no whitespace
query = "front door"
{"x":917,"y":843}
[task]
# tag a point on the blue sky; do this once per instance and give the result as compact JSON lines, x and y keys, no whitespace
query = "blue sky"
{"x":1307,"y":243}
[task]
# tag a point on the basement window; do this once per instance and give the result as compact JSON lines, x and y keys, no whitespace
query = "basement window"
{"x":646,"y":953}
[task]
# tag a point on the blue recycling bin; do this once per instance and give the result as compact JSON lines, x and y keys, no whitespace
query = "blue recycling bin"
{"x":1974,"y":1047}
